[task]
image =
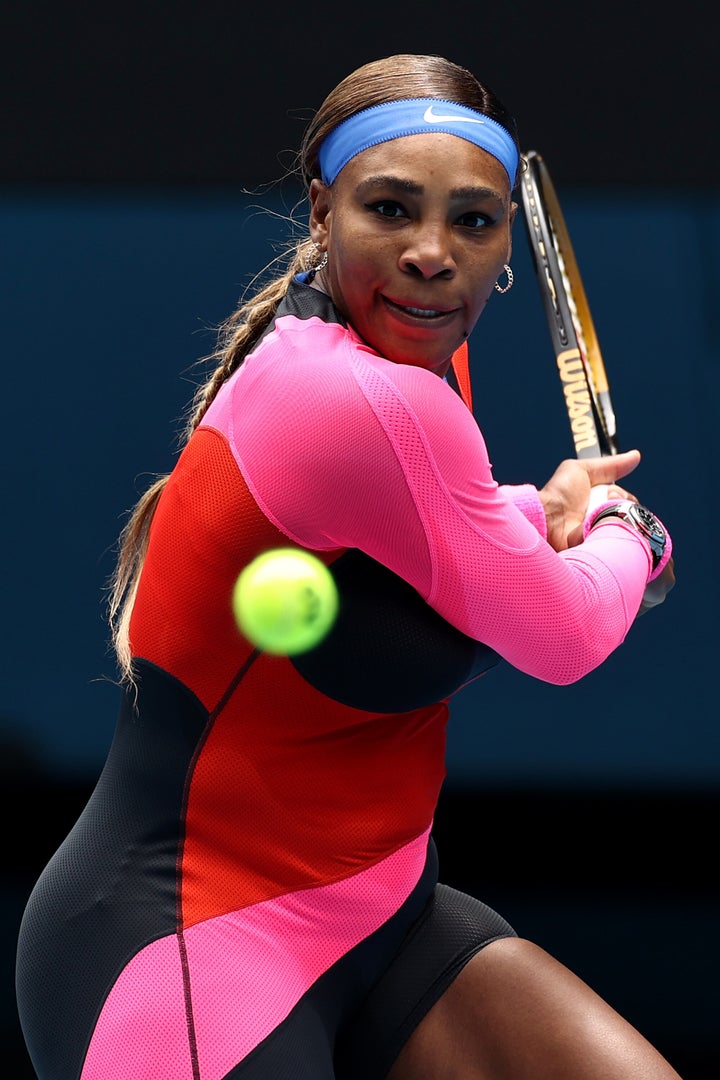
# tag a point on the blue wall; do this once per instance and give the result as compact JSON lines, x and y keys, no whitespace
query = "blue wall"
{"x":108,"y":300}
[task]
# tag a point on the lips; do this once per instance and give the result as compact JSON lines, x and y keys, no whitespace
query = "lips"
{"x":419,"y":312}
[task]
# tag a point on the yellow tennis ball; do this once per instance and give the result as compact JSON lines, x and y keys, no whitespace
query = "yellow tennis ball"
{"x":285,"y":601}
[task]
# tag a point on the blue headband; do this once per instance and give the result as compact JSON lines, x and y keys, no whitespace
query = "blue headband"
{"x":414,"y":116}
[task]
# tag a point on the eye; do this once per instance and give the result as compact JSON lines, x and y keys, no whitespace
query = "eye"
{"x":475,"y":220}
{"x":387,"y":208}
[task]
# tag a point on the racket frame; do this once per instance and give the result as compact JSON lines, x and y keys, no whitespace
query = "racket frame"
{"x":572,"y":331}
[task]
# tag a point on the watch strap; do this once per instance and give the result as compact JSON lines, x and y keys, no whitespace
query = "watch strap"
{"x":596,"y":511}
{"x":607,"y":510}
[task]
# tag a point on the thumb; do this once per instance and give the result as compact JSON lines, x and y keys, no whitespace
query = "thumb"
{"x":605,"y":470}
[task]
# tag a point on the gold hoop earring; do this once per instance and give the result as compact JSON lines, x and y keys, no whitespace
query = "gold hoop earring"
{"x":510,"y":279}
{"x":324,"y":257}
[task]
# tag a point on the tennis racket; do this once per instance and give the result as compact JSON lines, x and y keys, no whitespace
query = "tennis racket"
{"x":579,"y":360}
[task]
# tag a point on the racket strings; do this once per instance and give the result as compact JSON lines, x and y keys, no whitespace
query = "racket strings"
{"x":542,"y":252}
{"x":574,"y":313}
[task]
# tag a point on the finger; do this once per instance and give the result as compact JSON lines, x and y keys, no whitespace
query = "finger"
{"x":599,"y":494}
{"x":657,"y":590}
{"x":607,"y":470}
{"x":602,"y":493}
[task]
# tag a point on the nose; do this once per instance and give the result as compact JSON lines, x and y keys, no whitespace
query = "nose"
{"x":428,"y":253}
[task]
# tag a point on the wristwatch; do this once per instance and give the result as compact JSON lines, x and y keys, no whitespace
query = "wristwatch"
{"x":641,"y":519}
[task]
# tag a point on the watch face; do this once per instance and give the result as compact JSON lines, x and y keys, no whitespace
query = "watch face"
{"x":653,"y":529}
{"x":644,"y":521}
{"x":648,"y":520}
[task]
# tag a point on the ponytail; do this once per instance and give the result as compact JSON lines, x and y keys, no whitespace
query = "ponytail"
{"x":236,"y":338}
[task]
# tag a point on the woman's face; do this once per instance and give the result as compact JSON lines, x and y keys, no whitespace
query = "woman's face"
{"x":417,"y":231}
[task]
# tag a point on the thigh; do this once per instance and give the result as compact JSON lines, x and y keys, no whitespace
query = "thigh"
{"x":448,"y":932}
{"x":515,"y":1013}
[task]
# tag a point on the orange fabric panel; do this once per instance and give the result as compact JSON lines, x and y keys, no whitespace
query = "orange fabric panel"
{"x":461,"y":367}
{"x":279,"y":754}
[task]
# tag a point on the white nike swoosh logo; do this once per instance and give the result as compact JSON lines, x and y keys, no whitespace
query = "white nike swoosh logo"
{"x":436,"y":118}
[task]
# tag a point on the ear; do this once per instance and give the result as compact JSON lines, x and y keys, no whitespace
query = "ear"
{"x":511,"y":221}
{"x":320,"y":205}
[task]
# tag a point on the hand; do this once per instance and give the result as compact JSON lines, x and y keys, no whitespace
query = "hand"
{"x":566,"y":495}
{"x":658,"y":589}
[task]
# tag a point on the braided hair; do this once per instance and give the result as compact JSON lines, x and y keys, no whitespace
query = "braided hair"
{"x":393,"y":78}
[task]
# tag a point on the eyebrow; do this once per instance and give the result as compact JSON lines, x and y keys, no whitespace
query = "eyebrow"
{"x":411,"y":188}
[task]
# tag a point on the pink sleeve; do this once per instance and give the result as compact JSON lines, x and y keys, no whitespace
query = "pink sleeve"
{"x":527,"y":500}
{"x":342,"y":448}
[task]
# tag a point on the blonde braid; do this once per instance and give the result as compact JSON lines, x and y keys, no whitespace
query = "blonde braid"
{"x":244,"y":328}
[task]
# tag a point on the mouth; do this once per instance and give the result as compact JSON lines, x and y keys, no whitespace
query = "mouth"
{"x":424,"y":313}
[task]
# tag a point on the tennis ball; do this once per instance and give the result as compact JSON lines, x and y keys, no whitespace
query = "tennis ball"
{"x":285,"y":601}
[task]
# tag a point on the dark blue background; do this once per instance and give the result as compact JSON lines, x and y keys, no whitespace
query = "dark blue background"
{"x":108,"y":302}
{"x":588,"y":814}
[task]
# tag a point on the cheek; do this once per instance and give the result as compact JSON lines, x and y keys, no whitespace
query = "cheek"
{"x":486,"y":281}
{"x":477,"y":309}
{"x":484,"y":284}
{"x":354,"y":253}
{"x":356,"y":271}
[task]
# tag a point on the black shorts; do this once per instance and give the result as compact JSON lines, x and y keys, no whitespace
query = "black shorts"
{"x":330,"y":1037}
{"x":350,"y":1024}
{"x":451,"y":930}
